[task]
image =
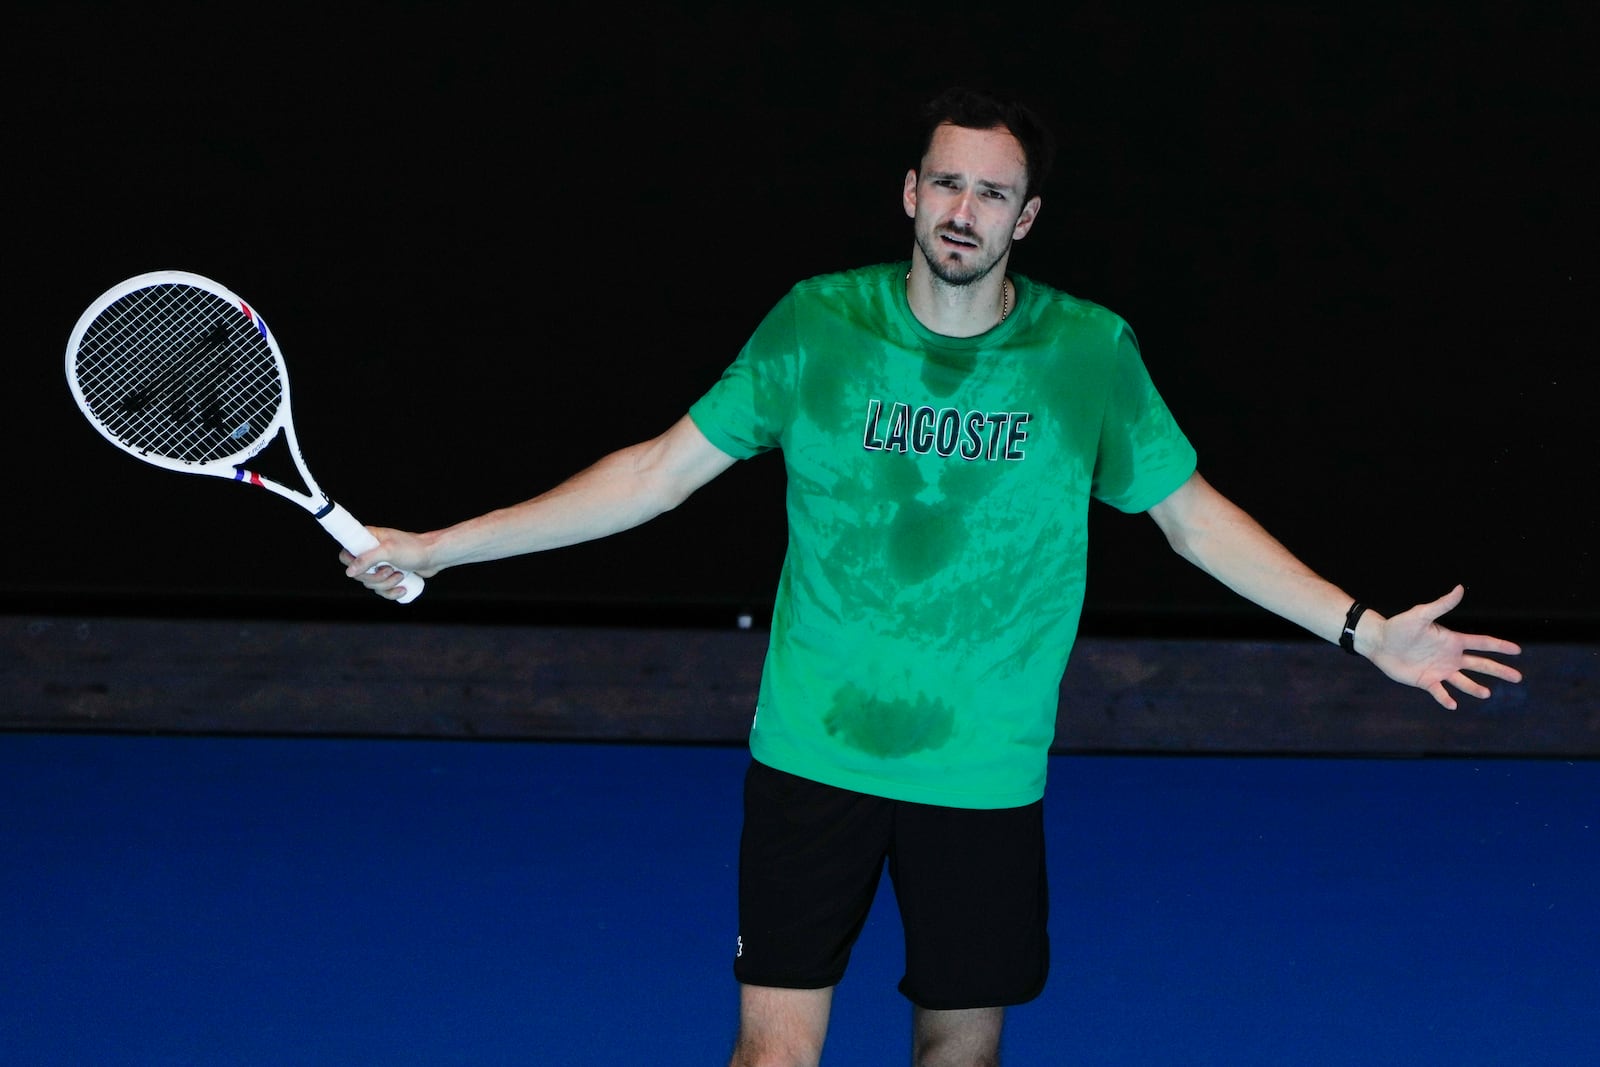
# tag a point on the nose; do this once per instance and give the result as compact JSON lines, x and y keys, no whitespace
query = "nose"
{"x":963,"y":214}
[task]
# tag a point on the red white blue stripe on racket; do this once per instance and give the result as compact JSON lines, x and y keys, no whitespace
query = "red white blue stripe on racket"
{"x":180,"y":372}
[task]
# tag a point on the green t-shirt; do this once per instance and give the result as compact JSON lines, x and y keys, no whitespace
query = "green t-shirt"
{"x":938,"y":495}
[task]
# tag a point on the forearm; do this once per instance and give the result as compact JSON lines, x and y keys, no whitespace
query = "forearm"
{"x":1221,"y":539}
{"x":611,"y":496}
{"x":623,"y":490}
{"x":1217,"y":536}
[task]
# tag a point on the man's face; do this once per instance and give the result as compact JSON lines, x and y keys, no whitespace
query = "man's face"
{"x":966,"y":202}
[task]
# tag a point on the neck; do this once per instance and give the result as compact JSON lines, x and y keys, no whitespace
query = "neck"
{"x":959,"y":310}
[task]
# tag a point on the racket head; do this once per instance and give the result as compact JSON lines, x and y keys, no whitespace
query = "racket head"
{"x":179,"y":371}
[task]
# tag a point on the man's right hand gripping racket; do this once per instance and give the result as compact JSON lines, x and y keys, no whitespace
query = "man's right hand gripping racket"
{"x":176,"y":370}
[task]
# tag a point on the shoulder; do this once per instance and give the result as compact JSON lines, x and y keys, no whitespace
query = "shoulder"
{"x":1057,"y":304}
{"x":866,"y":281}
{"x":1053,"y":309}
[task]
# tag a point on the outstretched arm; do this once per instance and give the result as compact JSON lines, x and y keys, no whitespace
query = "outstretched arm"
{"x":1217,"y":536}
{"x":626,"y":488}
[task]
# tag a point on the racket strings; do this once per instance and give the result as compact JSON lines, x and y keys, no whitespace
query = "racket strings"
{"x":180,"y":372}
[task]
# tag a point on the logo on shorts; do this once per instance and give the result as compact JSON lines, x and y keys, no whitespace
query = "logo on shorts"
{"x":739,"y":949}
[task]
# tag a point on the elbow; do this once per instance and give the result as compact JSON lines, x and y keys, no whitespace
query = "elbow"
{"x":1188,"y":534}
{"x":660,"y":488}
{"x":1182,"y":541}
{"x":669,"y":496}
{"x":668,"y":469}
{"x":1178,"y":532}
{"x":1186,"y":516}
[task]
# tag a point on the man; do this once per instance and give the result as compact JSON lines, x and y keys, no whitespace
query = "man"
{"x":944,"y":425}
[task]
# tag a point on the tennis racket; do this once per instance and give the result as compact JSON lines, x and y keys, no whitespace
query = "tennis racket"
{"x":176,"y":370}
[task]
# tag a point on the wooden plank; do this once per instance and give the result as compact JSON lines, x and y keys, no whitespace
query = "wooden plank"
{"x":699,"y":686}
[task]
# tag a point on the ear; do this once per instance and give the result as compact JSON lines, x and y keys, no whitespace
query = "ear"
{"x":908,"y":194}
{"x":1030,"y":211}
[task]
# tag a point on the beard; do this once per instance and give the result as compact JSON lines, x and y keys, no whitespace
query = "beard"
{"x":970,"y":267}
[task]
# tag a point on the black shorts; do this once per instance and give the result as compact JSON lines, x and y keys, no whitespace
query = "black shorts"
{"x":970,"y":884}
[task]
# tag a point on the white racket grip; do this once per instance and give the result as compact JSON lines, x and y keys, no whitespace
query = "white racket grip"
{"x":356,"y":539}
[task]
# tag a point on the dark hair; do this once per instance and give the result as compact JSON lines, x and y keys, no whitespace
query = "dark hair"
{"x":982,"y":109}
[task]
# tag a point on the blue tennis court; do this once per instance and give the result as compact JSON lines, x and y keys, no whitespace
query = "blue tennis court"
{"x":261,"y":901}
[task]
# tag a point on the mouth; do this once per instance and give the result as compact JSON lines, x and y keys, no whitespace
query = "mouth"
{"x":957,"y":240}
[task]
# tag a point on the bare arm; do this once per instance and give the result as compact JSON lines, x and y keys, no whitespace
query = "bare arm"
{"x":621,"y":491}
{"x":1214,"y":534}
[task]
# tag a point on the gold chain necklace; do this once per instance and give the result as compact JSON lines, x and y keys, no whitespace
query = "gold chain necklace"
{"x":1005,"y":297}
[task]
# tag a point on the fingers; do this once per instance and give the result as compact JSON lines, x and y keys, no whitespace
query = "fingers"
{"x":1485,"y":643}
{"x":1492,"y":667}
{"x":1469,"y":686}
{"x":384,"y":580}
{"x":355,"y":566}
{"x":371,"y":571}
{"x":1420,"y":651}
{"x":374,"y":562}
{"x":1444,"y":604}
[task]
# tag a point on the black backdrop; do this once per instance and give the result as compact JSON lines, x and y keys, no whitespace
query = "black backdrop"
{"x":1357,"y":246}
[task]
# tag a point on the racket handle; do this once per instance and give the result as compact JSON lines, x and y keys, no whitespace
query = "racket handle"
{"x":356,"y":539}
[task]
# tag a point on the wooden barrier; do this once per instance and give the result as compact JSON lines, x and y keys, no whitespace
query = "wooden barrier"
{"x":698,"y":686}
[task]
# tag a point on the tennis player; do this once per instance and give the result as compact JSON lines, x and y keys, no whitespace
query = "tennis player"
{"x":944,"y":423}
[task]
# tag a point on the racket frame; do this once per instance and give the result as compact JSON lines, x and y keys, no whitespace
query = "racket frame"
{"x":339,"y":523}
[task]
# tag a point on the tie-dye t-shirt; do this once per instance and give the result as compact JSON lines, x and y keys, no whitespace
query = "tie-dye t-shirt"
{"x":938,"y":495}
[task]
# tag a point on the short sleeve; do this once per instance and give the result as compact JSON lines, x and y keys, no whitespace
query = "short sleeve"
{"x":745,"y":412}
{"x":1143,"y":455}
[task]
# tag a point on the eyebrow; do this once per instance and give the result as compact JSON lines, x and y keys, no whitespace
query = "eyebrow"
{"x":984,"y":182}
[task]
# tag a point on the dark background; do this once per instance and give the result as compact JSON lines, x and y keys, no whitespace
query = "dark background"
{"x":1357,"y":245}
